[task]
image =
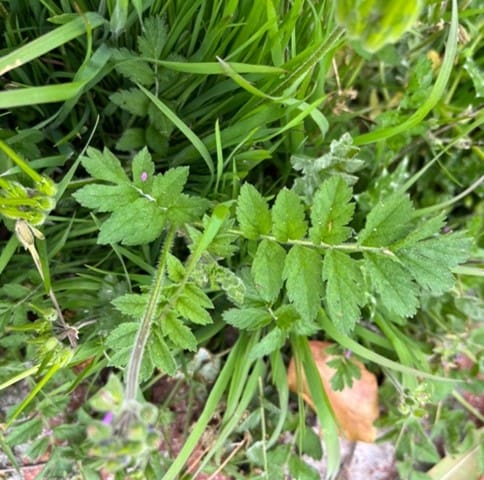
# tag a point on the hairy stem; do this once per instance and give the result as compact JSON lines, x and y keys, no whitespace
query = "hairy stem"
{"x":134,"y":364}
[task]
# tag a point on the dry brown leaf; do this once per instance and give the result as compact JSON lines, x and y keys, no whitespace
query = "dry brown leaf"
{"x":355,"y":408}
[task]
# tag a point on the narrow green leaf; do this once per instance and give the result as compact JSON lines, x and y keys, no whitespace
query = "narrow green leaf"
{"x":267,"y":270}
{"x":50,"y":41}
{"x":303,"y":275}
{"x":21,"y":97}
{"x":178,"y":332}
{"x":192,"y":305}
{"x":274,"y":340}
{"x":393,"y":283}
{"x":344,"y":289}
{"x":137,"y":223}
{"x":247,"y":318}
{"x":390,"y":220}
{"x":252,"y":213}
{"x":106,"y":198}
{"x":332,"y":210}
{"x":288,"y":216}
{"x":104,"y":166}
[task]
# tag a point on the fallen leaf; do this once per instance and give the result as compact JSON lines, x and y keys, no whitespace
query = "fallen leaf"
{"x":355,"y":408}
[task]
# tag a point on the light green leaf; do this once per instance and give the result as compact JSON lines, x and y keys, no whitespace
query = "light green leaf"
{"x":393,"y":283}
{"x":274,"y":340}
{"x":247,"y":318}
{"x":178,"y":332}
{"x":122,"y":337}
{"x":252,"y":213}
{"x":104,"y":166}
{"x":267,"y":270}
{"x":175,"y":268}
{"x":302,"y":272}
{"x":187,"y":209}
{"x":159,"y":352}
{"x":167,"y":187}
{"x":143,"y":170}
{"x":137,"y":223}
{"x":288,"y":217}
{"x":430,"y":261}
{"x":390,"y":220}
{"x":344,"y":289}
{"x":332,"y":210}
{"x":192,"y":305}
{"x":106,"y":198}
{"x":131,"y":304}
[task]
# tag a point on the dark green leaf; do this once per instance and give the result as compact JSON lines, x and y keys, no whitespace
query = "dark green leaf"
{"x":393,"y":283}
{"x":390,"y":220}
{"x":104,"y":166}
{"x":267,"y":270}
{"x":332,"y":210}
{"x":132,"y":67}
{"x":346,"y":372}
{"x":134,"y":101}
{"x":344,"y":289}
{"x":253,"y":213}
{"x":247,"y":318}
{"x":151,"y":43}
{"x":302,"y":272}
{"x":288,"y":217}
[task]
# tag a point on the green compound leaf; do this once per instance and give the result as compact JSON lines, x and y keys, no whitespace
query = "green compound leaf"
{"x":267,"y":270}
{"x":288,"y":217}
{"x":178,"y":332}
{"x":106,"y":198}
{"x":247,"y":318}
{"x":130,"y":65}
{"x":302,"y":272}
{"x":186,"y":209}
{"x":331,"y":212}
{"x":140,"y":222}
{"x":344,"y":289}
{"x":253,"y":213}
{"x":159,"y":352}
{"x":104,"y":166}
{"x":390,"y":220}
{"x":430,"y":261}
{"x":393,"y":283}
{"x":375,"y":23}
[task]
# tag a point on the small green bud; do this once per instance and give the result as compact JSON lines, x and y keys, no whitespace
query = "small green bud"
{"x":46,"y":186}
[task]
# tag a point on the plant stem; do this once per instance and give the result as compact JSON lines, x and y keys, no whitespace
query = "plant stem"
{"x":134,"y":365}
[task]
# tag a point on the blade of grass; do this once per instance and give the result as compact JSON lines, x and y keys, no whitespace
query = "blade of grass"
{"x":49,"y":41}
{"x":436,"y":93}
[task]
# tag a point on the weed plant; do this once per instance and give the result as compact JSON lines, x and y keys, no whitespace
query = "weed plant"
{"x":196,"y":189}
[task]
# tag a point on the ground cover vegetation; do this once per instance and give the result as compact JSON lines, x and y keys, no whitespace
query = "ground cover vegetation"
{"x":194,"y":194}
